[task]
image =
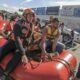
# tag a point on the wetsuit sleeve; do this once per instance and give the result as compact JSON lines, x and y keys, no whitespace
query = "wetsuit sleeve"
{"x":17,"y":35}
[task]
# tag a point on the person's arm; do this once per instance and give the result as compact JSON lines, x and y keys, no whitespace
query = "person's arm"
{"x":17,"y":34}
{"x":54,"y":44}
{"x":3,"y":34}
{"x":55,"y":41}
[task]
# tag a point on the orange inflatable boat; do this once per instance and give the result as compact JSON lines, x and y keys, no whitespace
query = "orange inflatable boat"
{"x":59,"y":68}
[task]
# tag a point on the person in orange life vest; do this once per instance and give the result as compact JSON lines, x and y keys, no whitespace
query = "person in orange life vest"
{"x":22,"y":31}
{"x":36,"y":30}
{"x":11,"y":22}
{"x":8,"y":27}
{"x":1,"y":19}
{"x":50,"y":37}
{"x":2,"y":24}
{"x":34,"y":47}
{"x":34,"y":41}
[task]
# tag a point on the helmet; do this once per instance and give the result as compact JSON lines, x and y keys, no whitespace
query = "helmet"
{"x":27,"y":11}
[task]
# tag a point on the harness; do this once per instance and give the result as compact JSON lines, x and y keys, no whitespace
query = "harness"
{"x":26,"y":30}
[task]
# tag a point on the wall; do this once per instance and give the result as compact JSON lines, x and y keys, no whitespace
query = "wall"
{"x":71,"y":22}
{"x":67,"y":15}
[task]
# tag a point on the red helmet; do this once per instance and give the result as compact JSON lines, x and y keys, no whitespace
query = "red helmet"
{"x":29,"y":11}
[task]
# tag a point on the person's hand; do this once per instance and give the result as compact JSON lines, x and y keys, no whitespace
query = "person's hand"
{"x":46,"y":56}
{"x":24,"y":59}
{"x":50,"y":56}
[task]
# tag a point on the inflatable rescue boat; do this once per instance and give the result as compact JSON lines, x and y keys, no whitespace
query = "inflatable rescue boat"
{"x":61,"y":67}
